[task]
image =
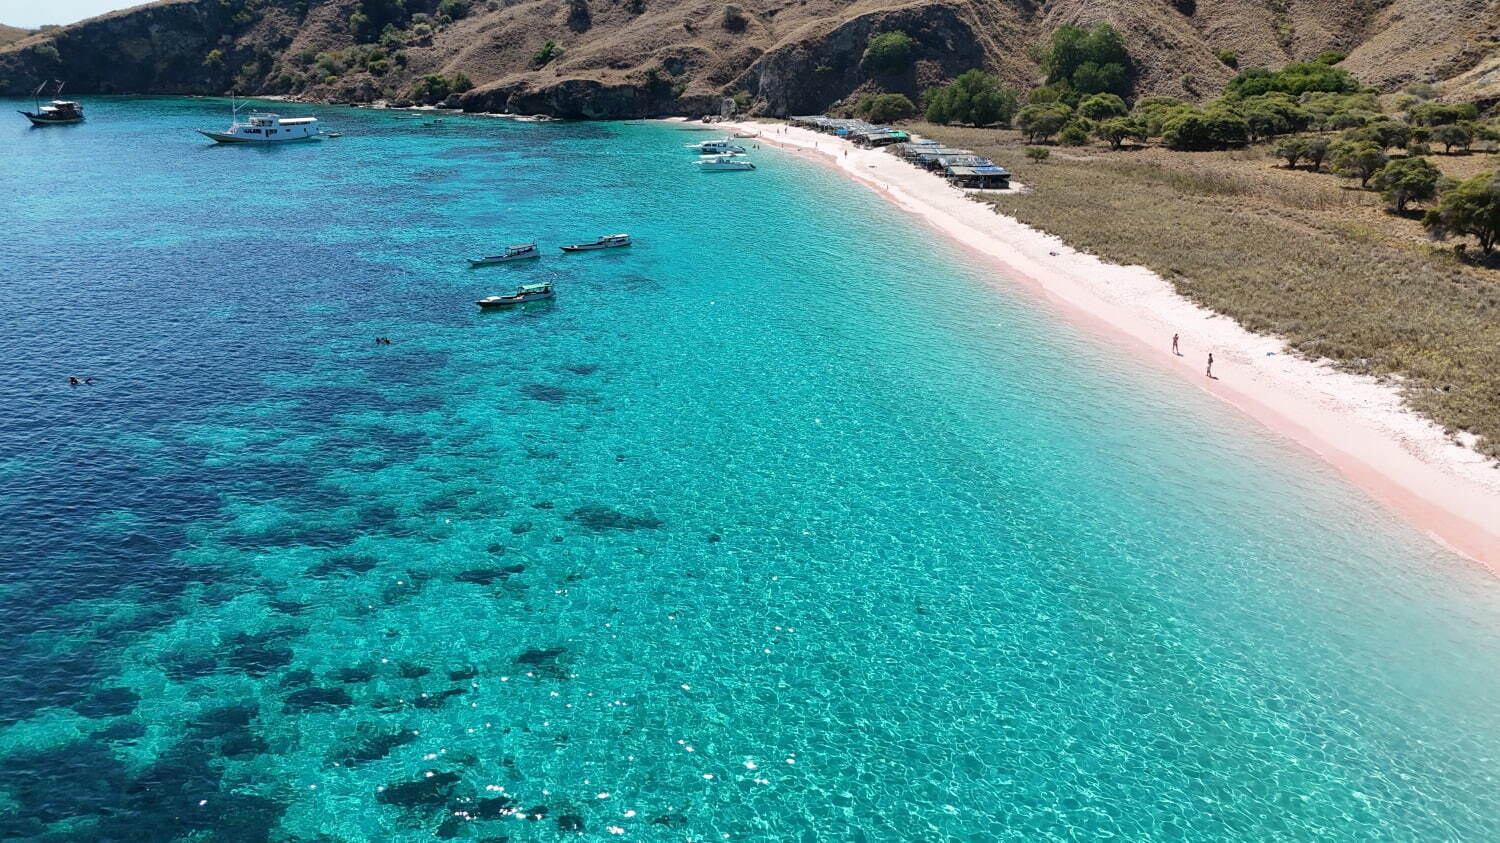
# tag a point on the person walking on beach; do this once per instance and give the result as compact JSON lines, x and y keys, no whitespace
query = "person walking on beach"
{"x":1174,"y":346}
{"x":1210,"y":370}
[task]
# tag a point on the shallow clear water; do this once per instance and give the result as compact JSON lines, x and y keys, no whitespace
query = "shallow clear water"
{"x":787,"y":523}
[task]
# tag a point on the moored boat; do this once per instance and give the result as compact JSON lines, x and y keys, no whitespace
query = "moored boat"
{"x":263,"y":127}
{"x":523,"y":293}
{"x":56,"y":113}
{"x":607,"y":241}
{"x":724,"y":162}
{"x":511,"y":253}
{"x":716,"y":147}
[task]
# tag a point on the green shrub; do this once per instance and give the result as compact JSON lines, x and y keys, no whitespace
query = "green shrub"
{"x":1408,"y":180}
{"x":1295,"y":79}
{"x":1039,"y":122}
{"x":890,"y":52}
{"x":1451,"y":135}
{"x":1471,"y":207}
{"x":1212,"y":128}
{"x":1089,"y":61}
{"x":1229,"y":58}
{"x":1073,"y":134}
{"x":453,"y":9}
{"x":547,"y":53}
{"x":435,"y":87}
{"x":1038,"y":154}
{"x":885,"y":108}
{"x":1102,"y":107}
{"x":214,"y":59}
{"x":1358,"y":160}
{"x":975,"y":97}
{"x":1116,"y":130}
{"x":1438,"y":113}
{"x":734,"y":19}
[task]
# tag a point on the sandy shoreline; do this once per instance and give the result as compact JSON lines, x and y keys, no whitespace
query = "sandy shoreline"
{"x":1355,"y":423}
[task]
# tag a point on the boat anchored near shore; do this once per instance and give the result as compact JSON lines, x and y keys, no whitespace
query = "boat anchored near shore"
{"x":56,"y":113}
{"x":518,"y":252}
{"x":721,"y":146}
{"x":265,"y":127}
{"x":607,"y":241}
{"x":523,"y":293}
{"x":724,"y":162}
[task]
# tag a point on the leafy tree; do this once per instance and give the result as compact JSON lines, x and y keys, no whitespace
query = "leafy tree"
{"x":214,"y":59}
{"x":1358,"y":159}
{"x":1213,"y":128}
{"x":1091,"y":61}
{"x":435,"y":87}
{"x":1451,"y":135}
{"x":1228,"y":57}
{"x":1268,"y":115}
{"x":1470,"y":207}
{"x":1331,"y":57}
{"x":1316,"y":151}
{"x":885,"y":108}
{"x":1116,"y":130}
{"x":371,"y":16}
{"x":1292,"y":150}
{"x":1438,"y":113}
{"x":1038,"y":154}
{"x":1039,"y":122}
{"x":1093,"y":78}
{"x":1074,"y":133}
{"x":975,"y":97}
{"x":1043,"y":94}
{"x":1295,"y":79}
{"x":1408,"y":180}
{"x":1102,"y":107}
{"x":890,"y":52}
{"x":453,"y":9}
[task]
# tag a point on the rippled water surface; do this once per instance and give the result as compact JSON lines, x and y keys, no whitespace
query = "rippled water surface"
{"x":787,"y":523}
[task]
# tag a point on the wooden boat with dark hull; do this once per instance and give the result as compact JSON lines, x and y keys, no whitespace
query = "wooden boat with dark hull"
{"x":523,"y":294}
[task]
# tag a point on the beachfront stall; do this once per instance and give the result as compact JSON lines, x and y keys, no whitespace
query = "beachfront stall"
{"x":984,"y":177}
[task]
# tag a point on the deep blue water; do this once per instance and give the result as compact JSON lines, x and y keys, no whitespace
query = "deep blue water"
{"x":787,"y":523}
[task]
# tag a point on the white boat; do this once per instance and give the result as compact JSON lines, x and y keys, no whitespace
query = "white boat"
{"x":724,"y":162}
{"x":263,"y":127}
{"x":519,"y":252}
{"x":608,"y":241}
{"x":523,"y":293}
{"x":716,"y":147}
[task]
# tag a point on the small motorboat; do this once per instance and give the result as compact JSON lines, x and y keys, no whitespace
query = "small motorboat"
{"x":511,"y":253}
{"x":523,"y":293}
{"x":724,"y":162}
{"x":743,"y":135}
{"x":716,"y":147}
{"x":608,"y":241}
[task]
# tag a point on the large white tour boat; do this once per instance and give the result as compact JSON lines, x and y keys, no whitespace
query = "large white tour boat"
{"x":263,"y":127}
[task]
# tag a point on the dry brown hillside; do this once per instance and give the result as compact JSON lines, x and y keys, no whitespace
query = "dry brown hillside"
{"x":12,"y":34}
{"x":623,"y":58}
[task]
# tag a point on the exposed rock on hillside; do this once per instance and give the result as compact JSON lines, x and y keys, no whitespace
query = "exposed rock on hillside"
{"x":631,"y":58}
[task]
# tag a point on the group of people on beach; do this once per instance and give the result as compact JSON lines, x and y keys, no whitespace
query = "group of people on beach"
{"x":1175,"y":350}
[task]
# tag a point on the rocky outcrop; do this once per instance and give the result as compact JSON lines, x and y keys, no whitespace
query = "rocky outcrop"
{"x":807,"y":73}
{"x":634,"y":58}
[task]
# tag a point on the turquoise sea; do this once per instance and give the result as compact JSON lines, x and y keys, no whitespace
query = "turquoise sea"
{"x":790,"y":522}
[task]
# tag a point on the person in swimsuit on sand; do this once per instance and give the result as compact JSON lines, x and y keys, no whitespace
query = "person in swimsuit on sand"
{"x":1210,"y":370}
{"x":1174,"y":346}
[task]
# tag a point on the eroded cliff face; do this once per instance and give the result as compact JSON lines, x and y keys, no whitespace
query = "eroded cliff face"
{"x":807,"y":72}
{"x":637,"y":58}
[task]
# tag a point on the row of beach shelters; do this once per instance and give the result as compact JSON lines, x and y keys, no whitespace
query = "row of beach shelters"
{"x":960,"y":166}
{"x":858,"y":131}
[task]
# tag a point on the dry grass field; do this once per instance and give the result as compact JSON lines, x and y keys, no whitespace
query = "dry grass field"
{"x":1305,"y":256}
